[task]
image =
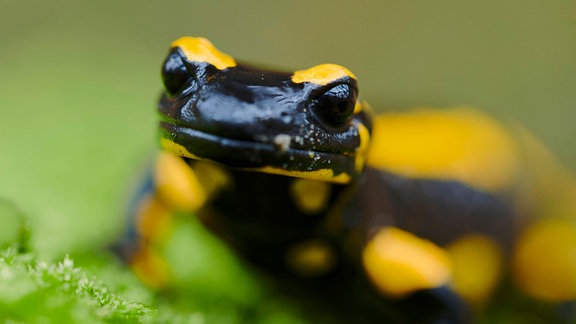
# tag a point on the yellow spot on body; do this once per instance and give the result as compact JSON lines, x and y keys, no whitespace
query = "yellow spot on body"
{"x":457,"y":144}
{"x":399,"y":263}
{"x":362,"y":150}
{"x":477,"y":263}
{"x":150,"y":267}
{"x":198,"y":49}
{"x":310,"y":196}
{"x":322,"y":174}
{"x":154,"y":219}
{"x":322,"y":74}
{"x":311,"y":258}
{"x":212,"y":177}
{"x":171,"y":146}
{"x":545,"y":260}
{"x":177,"y":184}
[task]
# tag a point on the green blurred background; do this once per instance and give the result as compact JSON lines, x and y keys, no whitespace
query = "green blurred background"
{"x":79,"y":81}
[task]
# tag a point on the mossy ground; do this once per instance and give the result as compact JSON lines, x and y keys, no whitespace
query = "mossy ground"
{"x":97,"y":287}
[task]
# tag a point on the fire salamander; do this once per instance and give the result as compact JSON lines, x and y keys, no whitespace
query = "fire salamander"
{"x":420,"y":216}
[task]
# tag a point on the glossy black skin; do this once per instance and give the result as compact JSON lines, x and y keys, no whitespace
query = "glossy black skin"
{"x":232,"y":117}
{"x":438,"y":210}
{"x":257,"y":220}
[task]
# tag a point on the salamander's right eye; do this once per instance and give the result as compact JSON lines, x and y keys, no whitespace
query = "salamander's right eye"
{"x":174,"y":73}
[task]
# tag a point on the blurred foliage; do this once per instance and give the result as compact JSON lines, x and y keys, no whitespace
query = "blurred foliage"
{"x":79,"y":81}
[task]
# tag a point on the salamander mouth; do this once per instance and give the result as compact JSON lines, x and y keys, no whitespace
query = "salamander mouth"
{"x":273,"y":157}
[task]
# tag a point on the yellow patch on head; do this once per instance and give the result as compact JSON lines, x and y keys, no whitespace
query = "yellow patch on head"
{"x":310,"y":196}
{"x":362,"y":149}
{"x":400,"y":263}
{"x":311,"y":258}
{"x":456,"y":144}
{"x":545,"y":260}
{"x":177,"y":184}
{"x":358,"y":107}
{"x":322,"y":174}
{"x":198,"y":49}
{"x":477,"y":262}
{"x":322,"y":74}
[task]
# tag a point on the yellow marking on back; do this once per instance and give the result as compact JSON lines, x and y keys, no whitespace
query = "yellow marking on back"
{"x":550,"y":189}
{"x":171,"y":146}
{"x":477,"y":263}
{"x":457,"y":144}
{"x":545,"y":260}
{"x":177,"y":184}
{"x":311,"y":258}
{"x":198,"y":49}
{"x":400,"y":263}
{"x":310,"y":196}
{"x":322,"y":174}
{"x":322,"y":74}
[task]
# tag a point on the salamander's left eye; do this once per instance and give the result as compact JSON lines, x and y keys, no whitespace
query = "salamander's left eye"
{"x":336,"y":105}
{"x":174,"y":74}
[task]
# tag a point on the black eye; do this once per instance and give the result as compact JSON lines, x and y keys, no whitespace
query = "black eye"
{"x":336,"y":105}
{"x":174,"y":74}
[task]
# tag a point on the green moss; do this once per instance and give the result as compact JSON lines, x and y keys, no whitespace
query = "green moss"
{"x":33,"y":289}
